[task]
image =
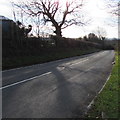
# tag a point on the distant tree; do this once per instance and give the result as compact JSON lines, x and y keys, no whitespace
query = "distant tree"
{"x":85,"y":38}
{"x":80,"y":38}
{"x":36,"y":22}
{"x":61,"y":16}
{"x":114,"y":7}
{"x":100,"y":32}
{"x":91,"y":35}
{"x":93,"y":38}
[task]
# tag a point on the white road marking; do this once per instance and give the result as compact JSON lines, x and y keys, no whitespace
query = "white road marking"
{"x":60,"y":68}
{"x":87,"y":58}
{"x":104,"y":84}
{"x":7,"y":86}
{"x":82,"y":72}
{"x":29,"y":79}
{"x":79,"y":62}
{"x":92,"y":102}
{"x":99,"y":54}
{"x":74,"y":77}
{"x":40,"y":64}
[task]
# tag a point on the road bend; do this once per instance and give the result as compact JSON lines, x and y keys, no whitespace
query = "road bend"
{"x":58,"y":89}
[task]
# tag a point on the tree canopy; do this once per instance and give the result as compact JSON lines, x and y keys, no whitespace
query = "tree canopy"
{"x":60,"y":13}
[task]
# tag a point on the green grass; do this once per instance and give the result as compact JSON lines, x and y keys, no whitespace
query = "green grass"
{"x":20,"y":61}
{"x":106,"y":105}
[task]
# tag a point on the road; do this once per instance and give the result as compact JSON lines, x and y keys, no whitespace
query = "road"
{"x":58,"y":89}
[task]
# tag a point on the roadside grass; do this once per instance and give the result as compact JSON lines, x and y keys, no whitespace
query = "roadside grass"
{"x":106,"y":105}
{"x":20,"y":61}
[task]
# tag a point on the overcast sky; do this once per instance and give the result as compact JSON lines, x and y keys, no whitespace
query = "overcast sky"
{"x":94,"y":9}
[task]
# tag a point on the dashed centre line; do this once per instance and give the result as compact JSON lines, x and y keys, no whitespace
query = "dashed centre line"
{"x":29,"y":79}
{"x":20,"y":82}
{"x":79,"y":62}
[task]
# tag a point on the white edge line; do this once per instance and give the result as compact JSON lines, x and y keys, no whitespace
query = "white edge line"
{"x":92,"y":102}
{"x":7,"y":86}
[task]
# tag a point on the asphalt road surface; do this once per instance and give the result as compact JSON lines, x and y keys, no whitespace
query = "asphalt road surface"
{"x":58,"y":89}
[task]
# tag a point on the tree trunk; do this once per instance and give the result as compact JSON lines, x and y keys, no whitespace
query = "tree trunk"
{"x":58,"y":31}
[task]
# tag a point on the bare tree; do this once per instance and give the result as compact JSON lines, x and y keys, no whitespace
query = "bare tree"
{"x":35,"y":21}
{"x":61,"y":16}
{"x":114,"y":7}
{"x":100,"y":32}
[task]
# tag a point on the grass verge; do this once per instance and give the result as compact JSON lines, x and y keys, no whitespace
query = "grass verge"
{"x":19,"y":61}
{"x":106,"y":105}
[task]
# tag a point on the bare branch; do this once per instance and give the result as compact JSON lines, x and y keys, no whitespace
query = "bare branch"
{"x":51,"y":8}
